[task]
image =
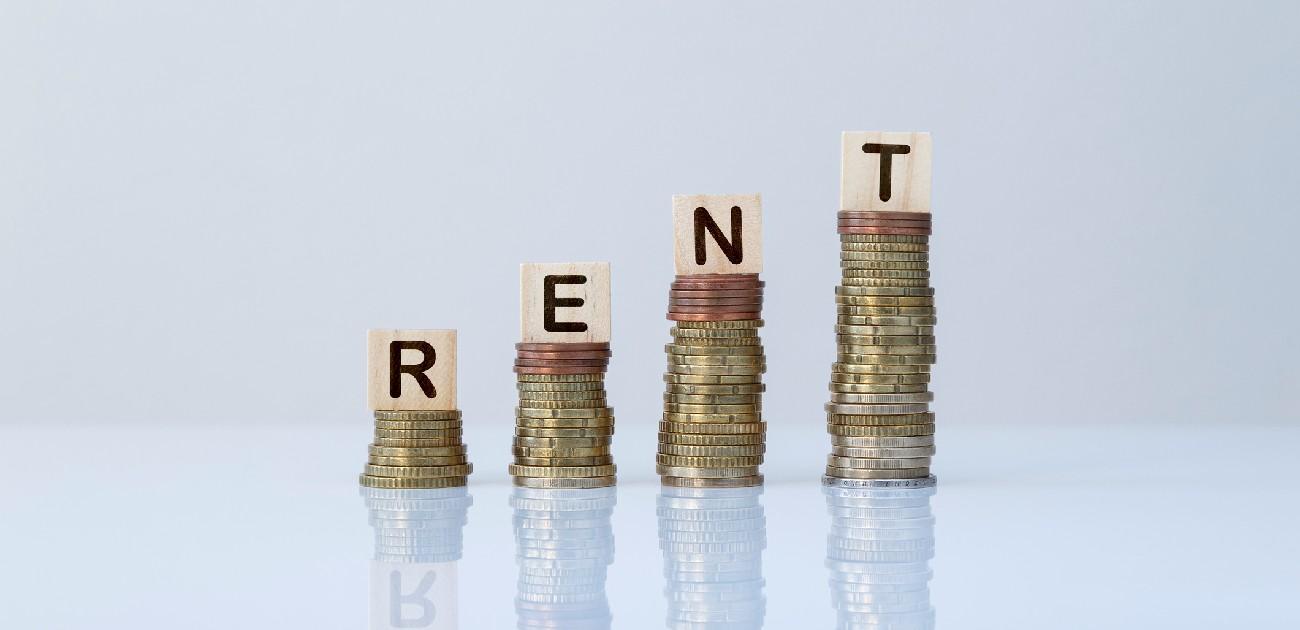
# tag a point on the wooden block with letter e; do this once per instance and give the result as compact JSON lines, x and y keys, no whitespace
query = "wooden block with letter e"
{"x":717,"y":234}
{"x":564,"y":302}
{"x":411,"y":370}
{"x":885,"y":171}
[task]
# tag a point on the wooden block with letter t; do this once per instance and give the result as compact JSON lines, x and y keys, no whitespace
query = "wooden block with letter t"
{"x":411,"y":370}
{"x":564,"y":302}
{"x":885,"y":171}
{"x":717,"y":234}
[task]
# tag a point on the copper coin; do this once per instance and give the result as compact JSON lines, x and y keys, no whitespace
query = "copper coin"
{"x":715,"y":293}
{"x":884,"y":230}
{"x":714,"y":301}
{"x":712,"y":317}
{"x":558,"y":370}
{"x":563,"y":347}
{"x":522,"y":362}
{"x":715,"y":308}
{"x":871,"y":214}
{"x":883,"y":223}
{"x":588,"y":354}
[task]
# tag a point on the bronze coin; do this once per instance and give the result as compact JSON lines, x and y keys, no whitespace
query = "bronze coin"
{"x":527,"y":369}
{"x":714,"y":301}
{"x":720,"y":308}
{"x":875,"y":214}
{"x":883,"y":223}
{"x":884,"y":230}
{"x":522,"y":362}
{"x":563,"y":347}
{"x":715,"y":293}
{"x":587,"y":354}
{"x":712,"y":317}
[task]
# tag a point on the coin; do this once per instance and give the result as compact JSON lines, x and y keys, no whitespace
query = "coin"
{"x":838,"y":378}
{"x":854,"y":343}
{"x":706,"y":439}
{"x":522,"y":362}
{"x":870,"y":463}
{"x":712,"y":317}
{"x":719,"y":301}
{"x":708,"y":462}
{"x":906,"y":430}
{"x":422,"y":415}
{"x":716,"y":370}
{"x":564,"y":423}
{"x":690,"y":450}
{"x":685,"y":343}
{"x":882,"y":246}
{"x":564,"y":356}
{"x":418,"y":461}
{"x":725,"y":428}
{"x":921,"y":257}
{"x":896,"y":473}
{"x":527,"y":403}
{"x":875,"y":388}
{"x":417,"y":442}
{"x":688,"y":471}
{"x":711,"y":409}
{"x":585,"y":432}
{"x":850,"y":291}
{"x":881,"y":419}
{"x":413,"y":482}
{"x":564,"y":482}
{"x":417,"y":424}
{"x":561,"y":442}
{"x":883,"y":331}
{"x":845,"y":299}
{"x":884,"y":359}
{"x":711,"y":309}
{"x":561,"y":378}
{"x":677,"y":352}
{"x":697,"y":482}
{"x":864,"y":368}
{"x":872,"y":484}
{"x":721,"y":325}
{"x":562,"y":471}
{"x":886,"y":320}
{"x":419,"y":471}
{"x":884,"y":282}
{"x":592,"y":460}
{"x":716,"y":360}
{"x":751,"y":416}
{"x":576,"y":346}
{"x":577,"y":451}
{"x":596,"y":386}
{"x":881,"y":399}
{"x":415,"y":434}
{"x":882,"y":441}
{"x":854,"y":230}
{"x":919,"y":224}
{"x":713,"y":399}
{"x":692,"y":334}
{"x":593,"y":412}
{"x":715,"y":293}
{"x":587,"y":395}
{"x":558,"y":371}
{"x":712,"y":379}
{"x":722,"y":389}
{"x":849,"y":451}
{"x":428,"y":451}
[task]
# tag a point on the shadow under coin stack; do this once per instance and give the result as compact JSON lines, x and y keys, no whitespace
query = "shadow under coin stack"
{"x":417,"y":449}
{"x":712,"y":434}
{"x":878,"y":553}
{"x":712,"y":541}
{"x":879,"y":416}
{"x":564,"y":544}
{"x":563,"y":426}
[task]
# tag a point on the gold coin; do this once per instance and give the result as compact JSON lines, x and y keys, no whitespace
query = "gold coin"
{"x":563,"y":423}
{"x":705,"y":439}
{"x":692,"y":450}
{"x":892,"y":274}
{"x":863,"y":368}
{"x":413,"y":482}
{"x":417,"y":415}
{"x":884,"y":300}
{"x":418,"y":461}
{"x":560,"y":378}
{"x":528,"y":403}
{"x":724,"y":428}
{"x":713,"y":418}
{"x":897,"y":473}
{"x":417,"y":425}
{"x":883,"y":265}
{"x":712,"y":409}
{"x":714,"y":379}
{"x":427,"y":451}
{"x":417,"y":443}
{"x":896,"y":379}
{"x":681,"y":351}
{"x":419,"y":471}
{"x":884,"y":331}
{"x":719,"y":473}
{"x":712,"y":345}
{"x":594,"y":412}
{"x":700,"y":482}
{"x":713,"y":399}
{"x":562,"y":471}
{"x":585,"y":432}
{"x":556,"y":483}
{"x":595,"y":460}
{"x":561,"y":442}
{"x":886,"y":320}
{"x":716,"y":370}
{"x":595,"y":386}
{"x":884,"y":238}
{"x":886,"y":359}
{"x":594,"y":394}
{"x":691,"y":335}
{"x":417,"y":434}
{"x":725,"y":389}
{"x":885,"y":291}
{"x":849,"y":281}
{"x":899,"y":349}
{"x":849,"y":246}
{"x":860,"y":388}
{"x":735,"y":323}
{"x":885,"y":256}
{"x":886,"y":311}
{"x":872,"y":463}
{"x":880,"y":419}
{"x":675,"y":360}
{"x":882,"y":341}
{"x":586,"y":451}
{"x":905,"y":430}
{"x":708,"y":462}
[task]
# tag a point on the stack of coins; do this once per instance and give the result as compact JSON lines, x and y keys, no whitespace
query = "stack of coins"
{"x":417,"y":449}
{"x":564,"y":544}
{"x":418,"y":526}
{"x":878,"y":553}
{"x":712,"y":431}
{"x":879,"y":416}
{"x":563,"y":425}
{"x":712,"y":541}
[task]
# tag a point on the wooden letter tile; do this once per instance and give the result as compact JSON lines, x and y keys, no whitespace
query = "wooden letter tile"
{"x":885,"y":171}
{"x":717,"y":234}
{"x":411,"y":369}
{"x":564,"y":302}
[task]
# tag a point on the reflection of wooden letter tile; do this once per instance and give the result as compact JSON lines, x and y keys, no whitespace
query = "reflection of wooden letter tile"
{"x":717,"y":234}
{"x":885,"y":171}
{"x":411,"y":369}
{"x":564,"y":302}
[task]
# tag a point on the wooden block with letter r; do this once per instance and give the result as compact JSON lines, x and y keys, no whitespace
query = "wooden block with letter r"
{"x":885,"y":171}
{"x":411,"y":370}
{"x":564,"y":302}
{"x":717,"y":234}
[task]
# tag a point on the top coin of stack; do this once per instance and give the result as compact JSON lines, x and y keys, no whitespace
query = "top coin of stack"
{"x":563,"y":425}
{"x":878,"y":416}
{"x":418,"y":435}
{"x":712,"y":433}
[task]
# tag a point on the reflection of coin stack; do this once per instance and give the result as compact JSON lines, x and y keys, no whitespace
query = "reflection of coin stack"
{"x":563,"y":425}
{"x":712,"y":430}
{"x":879,"y":415}
{"x":564,"y":544}
{"x":878,"y":553}
{"x":418,"y":541}
{"x":713,"y":540}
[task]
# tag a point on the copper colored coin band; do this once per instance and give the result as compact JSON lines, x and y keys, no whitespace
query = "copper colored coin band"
{"x":564,"y":356}
{"x":714,"y":301}
{"x":712,"y":317}
{"x":522,"y":362}
{"x":563,"y":347}
{"x":524,"y":369}
{"x":873,"y":214}
{"x":715,"y":293}
{"x":883,"y":223}
{"x":884,"y":230}
{"x":720,"y":308}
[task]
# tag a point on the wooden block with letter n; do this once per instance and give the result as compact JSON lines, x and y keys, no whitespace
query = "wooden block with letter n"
{"x":411,"y":370}
{"x":564,"y":302}
{"x":885,"y":171}
{"x":718,"y":234}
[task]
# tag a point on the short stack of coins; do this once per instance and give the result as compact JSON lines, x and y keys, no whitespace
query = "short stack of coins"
{"x":878,"y":552}
{"x":879,"y":416}
{"x":712,"y":433}
{"x":420,"y":526}
{"x":712,"y":541}
{"x":564,"y":544}
{"x":563,"y":424}
{"x":417,"y":449}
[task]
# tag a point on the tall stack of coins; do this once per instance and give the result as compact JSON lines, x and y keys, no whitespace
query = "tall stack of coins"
{"x":879,"y":416}
{"x":417,"y":449}
{"x":878,"y":552}
{"x":563,"y":424}
{"x":712,"y":434}
{"x":564,"y":544}
{"x":712,"y":541}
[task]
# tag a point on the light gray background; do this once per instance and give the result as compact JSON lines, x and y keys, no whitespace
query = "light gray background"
{"x":203,"y":205}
